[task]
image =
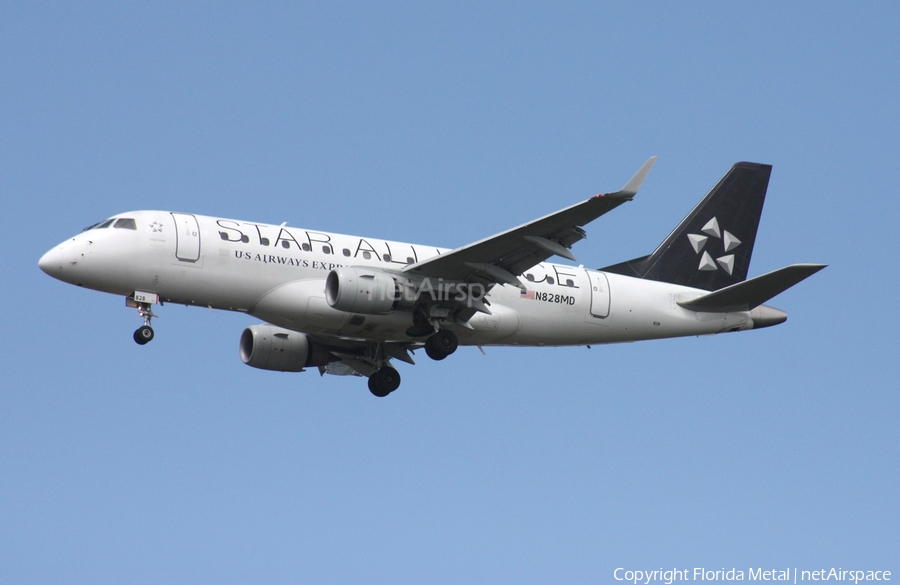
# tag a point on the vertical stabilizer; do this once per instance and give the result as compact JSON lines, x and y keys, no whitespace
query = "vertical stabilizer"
{"x":711,"y":247}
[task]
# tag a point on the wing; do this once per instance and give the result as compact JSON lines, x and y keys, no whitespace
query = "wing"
{"x":503,"y":257}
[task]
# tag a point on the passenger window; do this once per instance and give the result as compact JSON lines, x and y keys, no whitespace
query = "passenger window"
{"x":346,"y":252}
{"x":326,"y":249}
{"x":386,"y":257}
{"x":125,"y":223}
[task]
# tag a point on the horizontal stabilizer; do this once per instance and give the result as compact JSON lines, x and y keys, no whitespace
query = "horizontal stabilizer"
{"x":749,"y":294}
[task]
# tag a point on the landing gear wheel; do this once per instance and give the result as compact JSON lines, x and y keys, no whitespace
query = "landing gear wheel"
{"x":143,"y":335}
{"x":441,"y":344}
{"x":434,"y":354}
{"x":384,"y":381}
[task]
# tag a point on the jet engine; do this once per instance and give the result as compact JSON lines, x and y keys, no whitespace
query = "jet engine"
{"x":360,"y":290}
{"x":272,"y":348}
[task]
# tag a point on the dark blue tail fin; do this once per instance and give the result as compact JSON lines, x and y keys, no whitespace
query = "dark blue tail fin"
{"x":711,"y":247}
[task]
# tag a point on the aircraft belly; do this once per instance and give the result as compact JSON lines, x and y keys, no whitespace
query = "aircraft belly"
{"x":489,"y":329}
{"x":185,"y":286}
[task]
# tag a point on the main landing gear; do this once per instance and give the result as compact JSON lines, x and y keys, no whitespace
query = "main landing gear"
{"x":144,"y":334}
{"x":441,"y":344}
{"x":384,"y":381}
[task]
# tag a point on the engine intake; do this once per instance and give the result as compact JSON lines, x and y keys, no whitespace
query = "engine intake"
{"x":272,"y":348}
{"x":359,"y":290}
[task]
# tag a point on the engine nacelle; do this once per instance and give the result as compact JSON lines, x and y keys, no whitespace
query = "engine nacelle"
{"x":360,"y":290}
{"x":272,"y":348}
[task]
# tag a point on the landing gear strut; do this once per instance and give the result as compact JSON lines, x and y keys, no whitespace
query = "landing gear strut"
{"x":441,"y":344}
{"x":144,"y":334}
{"x":384,"y":381}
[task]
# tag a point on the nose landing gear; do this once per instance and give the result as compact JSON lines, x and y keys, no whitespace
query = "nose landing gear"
{"x":144,"y":334}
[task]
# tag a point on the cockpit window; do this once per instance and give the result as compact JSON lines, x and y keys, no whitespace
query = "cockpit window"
{"x":125,"y":223}
{"x":97,"y":226}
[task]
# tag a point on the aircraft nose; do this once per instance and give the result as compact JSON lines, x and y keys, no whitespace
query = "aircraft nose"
{"x":52,"y":262}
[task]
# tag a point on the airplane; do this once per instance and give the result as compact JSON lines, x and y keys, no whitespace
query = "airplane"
{"x":350,"y":305}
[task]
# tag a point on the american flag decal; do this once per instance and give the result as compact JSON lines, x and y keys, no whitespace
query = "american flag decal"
{"x":527,"y":294}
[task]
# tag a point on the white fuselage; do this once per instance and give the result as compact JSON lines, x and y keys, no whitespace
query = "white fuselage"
{"x":278,"y":274}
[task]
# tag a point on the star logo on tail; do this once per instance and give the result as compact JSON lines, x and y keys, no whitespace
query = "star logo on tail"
{"x":729,"y":243}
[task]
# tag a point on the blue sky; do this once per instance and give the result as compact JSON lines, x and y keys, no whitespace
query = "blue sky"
{"x":440,"y":125}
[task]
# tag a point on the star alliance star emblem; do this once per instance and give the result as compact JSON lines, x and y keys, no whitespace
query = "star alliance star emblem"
{"x":729,"y":242}
{"x":156,"y":227}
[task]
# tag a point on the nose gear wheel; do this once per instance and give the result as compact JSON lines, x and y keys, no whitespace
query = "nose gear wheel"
{"x":143,"y":335}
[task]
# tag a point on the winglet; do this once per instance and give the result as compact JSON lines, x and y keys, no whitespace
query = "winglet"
{"x":633,"y":186}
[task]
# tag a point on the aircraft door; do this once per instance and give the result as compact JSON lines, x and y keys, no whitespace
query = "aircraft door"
{"x":599,"y":294}
{"x":187,"y":237}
